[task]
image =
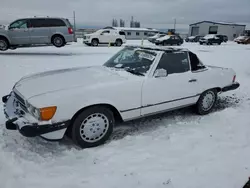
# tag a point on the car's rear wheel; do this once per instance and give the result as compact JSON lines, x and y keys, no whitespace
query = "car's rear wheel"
{"x":94,"y":42}
{"x":206,"y":102}
{"x":4,"y":44}
{"x":93,"y":127}
{"x":58,"y":41}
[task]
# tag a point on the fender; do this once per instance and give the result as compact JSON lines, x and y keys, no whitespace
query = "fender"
{"x":6,"y":36}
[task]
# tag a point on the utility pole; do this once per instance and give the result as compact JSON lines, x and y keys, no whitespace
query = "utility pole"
{"x":174,"y":24}
{"x":74,"y":16}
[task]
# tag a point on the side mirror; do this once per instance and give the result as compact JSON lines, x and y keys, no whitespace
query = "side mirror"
{"x":160,"y":73}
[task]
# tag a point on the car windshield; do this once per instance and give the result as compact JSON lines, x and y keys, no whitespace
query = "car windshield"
{"x":132,"y":59}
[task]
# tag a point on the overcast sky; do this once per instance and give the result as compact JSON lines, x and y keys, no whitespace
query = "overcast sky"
{"x":151,"y":13}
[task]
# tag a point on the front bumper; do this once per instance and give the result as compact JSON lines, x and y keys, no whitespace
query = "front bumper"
{"x":24,"y":123}
{"x":231,"y":87}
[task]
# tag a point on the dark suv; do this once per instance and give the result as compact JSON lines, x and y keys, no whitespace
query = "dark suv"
{"x":223,"y":38}
{"x":210,"y":40}
{"x":169,"y":40}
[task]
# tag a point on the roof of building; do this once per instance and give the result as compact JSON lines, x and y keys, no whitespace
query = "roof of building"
{"x":132,"y":29}
{"x":220,"y":23}
{"x":157,"y":48}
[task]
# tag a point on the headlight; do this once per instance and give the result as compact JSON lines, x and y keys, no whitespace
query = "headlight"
{"x":33,"y":110}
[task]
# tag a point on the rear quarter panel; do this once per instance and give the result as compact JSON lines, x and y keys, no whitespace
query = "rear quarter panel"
{"x":62,"y":31}
{"x":213,"y":77}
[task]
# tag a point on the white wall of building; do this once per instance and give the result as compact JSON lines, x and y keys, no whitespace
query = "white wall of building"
{"x":133,"y":35}
{"x":228,"y":30}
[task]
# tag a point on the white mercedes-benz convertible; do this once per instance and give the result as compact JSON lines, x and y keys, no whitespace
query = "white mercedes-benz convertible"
{"x":137,"y":81}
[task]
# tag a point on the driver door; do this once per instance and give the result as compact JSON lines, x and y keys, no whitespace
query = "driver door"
{"x":175,"y":89}
{"x":19,"y":32}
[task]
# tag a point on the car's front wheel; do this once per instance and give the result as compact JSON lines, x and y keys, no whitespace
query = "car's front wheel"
{"x":93,"y":127}
{"x":118,"y":42}
{"x":206,"y":102}
{"x":94,"y":42}
{"x":4,"y":44}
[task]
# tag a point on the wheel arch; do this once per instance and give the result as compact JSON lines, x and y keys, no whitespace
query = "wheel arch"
{"x":94,"y":38}
{"x":5,"y":37}
{"x":218,"y":89}
{"x":56,"y":34}
{"x":116,"y":113}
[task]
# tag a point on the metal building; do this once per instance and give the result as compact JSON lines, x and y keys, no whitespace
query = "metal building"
{"x":231,"y":30}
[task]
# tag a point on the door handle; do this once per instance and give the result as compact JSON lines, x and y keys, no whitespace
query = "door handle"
{"x":192,"y":80}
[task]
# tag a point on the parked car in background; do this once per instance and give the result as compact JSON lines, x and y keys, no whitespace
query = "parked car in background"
{"x":135,"y":82}
{"x":244,"y":40}
{"x":105,"y":36}
{"x":153,"y":38}
{"x":223,"y":38}
{"x":210,"y":40}
{"x":239,"y":38}
{"x":193,"y":38}
{"x":169,"y":40}
{"x":29,"y":32}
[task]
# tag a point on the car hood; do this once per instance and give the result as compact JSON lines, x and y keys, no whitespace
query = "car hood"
{"x":63,"y":79}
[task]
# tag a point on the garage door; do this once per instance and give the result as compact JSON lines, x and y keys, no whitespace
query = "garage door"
{"x":194,"y":31}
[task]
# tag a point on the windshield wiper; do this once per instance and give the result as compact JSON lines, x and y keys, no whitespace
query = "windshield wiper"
{"x":134,"y":72}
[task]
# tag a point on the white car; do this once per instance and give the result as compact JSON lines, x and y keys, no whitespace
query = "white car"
{"x":88,"y":102}
{"x":105,"y":36}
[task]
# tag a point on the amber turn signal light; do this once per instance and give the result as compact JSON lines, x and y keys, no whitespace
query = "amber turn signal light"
{"x":47,"y":113}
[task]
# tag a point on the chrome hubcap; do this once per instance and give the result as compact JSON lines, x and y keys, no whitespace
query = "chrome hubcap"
{"x":94,"y":127}
{"x":208,"y":101}
{"x":58,"y":41}
{"x":118,"y":43}
{"x":3,"y":45}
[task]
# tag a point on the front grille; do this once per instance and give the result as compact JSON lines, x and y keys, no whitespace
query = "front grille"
{"x":20,"y":102}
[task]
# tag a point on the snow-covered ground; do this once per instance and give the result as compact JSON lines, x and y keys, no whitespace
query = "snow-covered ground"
{"x":175,"y":150}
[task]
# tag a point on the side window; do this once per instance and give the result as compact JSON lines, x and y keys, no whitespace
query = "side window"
{"x":55,"y":23}
{"x":174,"y":62}
{"x":40,"y":22}
{"x":121,"y":33}
{"x":105,"y":32}
{"x":20,"y":24}
{"x":195,"y":62}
